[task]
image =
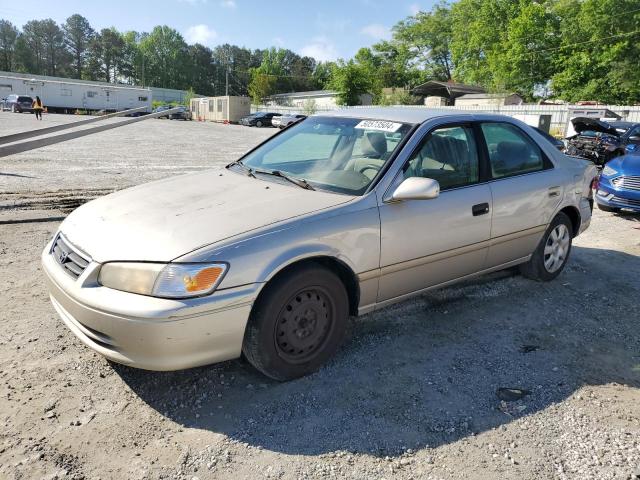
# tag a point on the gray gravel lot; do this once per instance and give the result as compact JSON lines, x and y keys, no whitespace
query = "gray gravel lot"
{"x":411,"y":395}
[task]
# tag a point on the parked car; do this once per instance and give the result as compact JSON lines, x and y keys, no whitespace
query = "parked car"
{"x":556,"y":142}
{"x":600,"y":141}
{"x":618,"y":185}
{"x":183,"y":113}
{"x":259,"y":119}
{"x":269,"y":256}
{"x":162,"y":108}
{"x":18,"y":103}
{"x":286,"y":120}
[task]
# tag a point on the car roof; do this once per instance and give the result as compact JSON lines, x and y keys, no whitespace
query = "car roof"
{"x":400,"y":114}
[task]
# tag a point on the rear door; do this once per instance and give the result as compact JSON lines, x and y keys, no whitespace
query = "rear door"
{"x":429,"y":242}
{"x":525,"y":190}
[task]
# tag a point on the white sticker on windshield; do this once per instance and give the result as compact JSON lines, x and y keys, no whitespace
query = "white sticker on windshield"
{"x":378,"y":125}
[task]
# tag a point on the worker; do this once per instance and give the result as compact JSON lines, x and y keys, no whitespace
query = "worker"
{"x":37,"y":108}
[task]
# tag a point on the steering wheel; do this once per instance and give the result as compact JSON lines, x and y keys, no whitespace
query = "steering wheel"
{"x":369,"y":166}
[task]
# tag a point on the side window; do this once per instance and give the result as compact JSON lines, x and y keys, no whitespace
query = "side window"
{"x":511,"y":151}
{"x":448,"y":155}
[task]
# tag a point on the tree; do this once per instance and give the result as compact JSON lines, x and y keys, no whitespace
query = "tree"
{"x":428,"y":38}
{"x":264,"y":79}
{"x":8,"y":37}
{"x":32,"y":47}
{"x":599,"y":49}
{"x":351,"y":80}
{"x":55,"y":56}
{"x":165,"y":57}
{"x":77,"y":37}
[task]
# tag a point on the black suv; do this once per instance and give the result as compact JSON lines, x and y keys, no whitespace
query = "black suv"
{"x":18,"y":103}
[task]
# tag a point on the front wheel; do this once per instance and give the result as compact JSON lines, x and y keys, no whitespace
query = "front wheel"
{"x":552,"y":252}
{"x":258,"y":124}
{"x":297,"y":323}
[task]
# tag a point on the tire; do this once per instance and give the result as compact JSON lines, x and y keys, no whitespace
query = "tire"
{"x":604,"y":208}
{"x":259,"y":124}
{"x":297,"y":323}
{"x":13,"y":109}
{"x":552,"y":253}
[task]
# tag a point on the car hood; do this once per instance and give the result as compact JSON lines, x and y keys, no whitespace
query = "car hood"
{"x":583,"y":124}
{"x":626,"y":165}
{"x":163,"y":220}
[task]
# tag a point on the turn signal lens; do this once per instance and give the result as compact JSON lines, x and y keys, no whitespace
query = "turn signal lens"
{"x":178,"y":280}
{"x":203,"y":280}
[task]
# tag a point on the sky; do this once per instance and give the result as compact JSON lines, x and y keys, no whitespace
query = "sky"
{"x":325,"y":30}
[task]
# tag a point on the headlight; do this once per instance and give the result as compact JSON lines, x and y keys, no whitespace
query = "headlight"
{"x":166,"y":280}
{"x":607,"y":171}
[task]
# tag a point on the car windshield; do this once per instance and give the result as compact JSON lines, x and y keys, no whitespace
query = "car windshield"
{"x":337,"y":154}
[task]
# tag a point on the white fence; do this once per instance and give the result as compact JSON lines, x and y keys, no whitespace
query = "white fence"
{"x":559,"y":113}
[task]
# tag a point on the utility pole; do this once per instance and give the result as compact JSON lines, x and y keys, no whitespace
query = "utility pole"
{"x":226,"y":87}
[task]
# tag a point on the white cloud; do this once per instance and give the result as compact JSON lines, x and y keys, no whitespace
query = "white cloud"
{"x":321,"y":49}
{"x":200,"y":34}
{"x":414,"y":8}
{"x":228,"y":3}
{"x":193,"y":2}
{"x":376,"y":31}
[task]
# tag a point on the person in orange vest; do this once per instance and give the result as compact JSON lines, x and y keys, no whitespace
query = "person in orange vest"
{"x":37,"y":108}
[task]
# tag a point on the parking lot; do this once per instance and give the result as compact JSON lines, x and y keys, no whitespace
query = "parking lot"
{"x":412,"y":393}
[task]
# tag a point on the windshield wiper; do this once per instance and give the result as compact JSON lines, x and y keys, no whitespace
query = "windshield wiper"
{"x":301,"y":182}
{"x":249,"y":170}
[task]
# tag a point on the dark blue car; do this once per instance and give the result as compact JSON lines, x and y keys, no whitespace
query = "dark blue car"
{"x":619,"y":183}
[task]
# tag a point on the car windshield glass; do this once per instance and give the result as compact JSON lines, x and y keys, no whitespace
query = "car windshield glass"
{"x":337,"y":154}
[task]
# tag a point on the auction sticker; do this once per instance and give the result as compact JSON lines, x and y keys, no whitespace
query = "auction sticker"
{"x":378,"y":125}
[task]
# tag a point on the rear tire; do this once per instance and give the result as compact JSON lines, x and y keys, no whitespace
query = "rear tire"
{"x":604,"y":208}
{"x":297,"y":323}
{"x":552,"y":253}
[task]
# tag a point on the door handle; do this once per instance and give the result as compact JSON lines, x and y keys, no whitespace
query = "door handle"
{"x":554,"y":191}
{"x":480,"y":209}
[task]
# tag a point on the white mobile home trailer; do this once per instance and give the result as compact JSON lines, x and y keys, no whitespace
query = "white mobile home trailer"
{"x":67,"y":95}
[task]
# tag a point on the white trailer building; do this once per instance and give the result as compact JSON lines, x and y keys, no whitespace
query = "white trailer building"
{"x":67,"y":95}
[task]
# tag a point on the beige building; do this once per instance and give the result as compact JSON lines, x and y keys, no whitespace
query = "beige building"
{"x":220,"y":109}
{"x":488,"y":99}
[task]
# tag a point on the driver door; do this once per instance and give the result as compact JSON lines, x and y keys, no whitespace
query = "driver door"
{"x":429,"y":242}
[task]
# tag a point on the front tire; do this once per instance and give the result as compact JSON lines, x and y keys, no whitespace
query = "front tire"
{"x":552,"y":253}
{"x":297,"y":323}
{"x":258,"y":124}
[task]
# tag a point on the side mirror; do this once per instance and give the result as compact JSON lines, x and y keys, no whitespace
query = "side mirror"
{"x":634,"y":138}
{"x":416,"y":188}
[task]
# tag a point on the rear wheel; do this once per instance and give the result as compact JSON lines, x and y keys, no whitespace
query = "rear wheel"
{"x":297,"y":323}
{"x":604,"y":208}
{"x":552,"y":252}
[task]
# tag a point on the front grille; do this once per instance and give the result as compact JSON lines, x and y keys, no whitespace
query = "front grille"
{"x":628,"y":183}
{"x":68,"y":257}
{"x":626,"y":201}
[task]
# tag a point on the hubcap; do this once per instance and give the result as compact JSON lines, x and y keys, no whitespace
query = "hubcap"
{"x":303,"y":325}
{"x":557,"y":248}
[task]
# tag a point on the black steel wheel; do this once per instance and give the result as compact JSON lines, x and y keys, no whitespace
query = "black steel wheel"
{"x":297,"y":323}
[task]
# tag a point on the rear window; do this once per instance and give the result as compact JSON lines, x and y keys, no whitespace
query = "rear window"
{"x":25,"y":99}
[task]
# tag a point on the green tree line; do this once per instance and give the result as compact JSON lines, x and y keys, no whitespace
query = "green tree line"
{"x":567,"y":49}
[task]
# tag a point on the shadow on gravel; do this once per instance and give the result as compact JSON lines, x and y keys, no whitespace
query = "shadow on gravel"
{"x":426,"y":372}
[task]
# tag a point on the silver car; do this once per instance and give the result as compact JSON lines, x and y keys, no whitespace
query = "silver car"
{"x":342,"y":214}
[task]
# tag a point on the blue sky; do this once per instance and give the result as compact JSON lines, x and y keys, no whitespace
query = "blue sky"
{"x":326,"y":30}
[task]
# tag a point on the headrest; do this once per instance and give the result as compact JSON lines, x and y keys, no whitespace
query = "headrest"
{"x":374,"y":144}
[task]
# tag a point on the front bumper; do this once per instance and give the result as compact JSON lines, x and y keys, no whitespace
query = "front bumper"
{"x":147,"y":332}
{"x":610,"y":196}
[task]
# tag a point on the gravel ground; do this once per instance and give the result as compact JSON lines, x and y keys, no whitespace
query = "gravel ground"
{"x":411,"y":395}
